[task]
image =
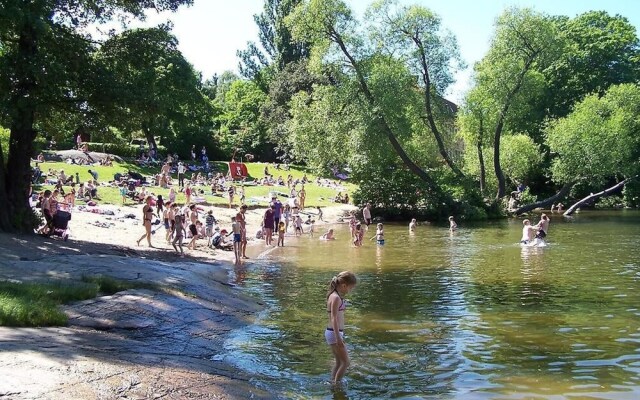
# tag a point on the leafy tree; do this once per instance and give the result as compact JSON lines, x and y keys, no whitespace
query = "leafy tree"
{"x":330,"y":27}
{"x":325,"y":129}
{"x":523,"y":42}
{"x":595,"y":144}
{"x":475,"y":121}
{"x":294,"y":79}
{"x":157,"y":90}
{"x":521,"y":159}
{"x":415,"y":34}
{"x":599,"y":139}
{"x":42,"y":67}
{"x":240,"y":125}
{"x":602,"y":50}
{"x":278,"y":48}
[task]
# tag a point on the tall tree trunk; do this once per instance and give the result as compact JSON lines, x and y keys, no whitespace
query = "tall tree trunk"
{"x":149,"y":136}
{"x":5,"y":222}
{"x":16,"y":214}
{"x":548,"y":201}
{"x":595,"y":196}
{"x":380,"y":119}
{"x":483,"y":171}
{"x":500,"y":125}
{"x":426,"y":79}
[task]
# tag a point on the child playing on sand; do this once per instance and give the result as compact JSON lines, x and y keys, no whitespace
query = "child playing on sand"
{"x":319,"y":214}
{"x":281,"y":231}
{"x":339,"y":286}
{"x":187,"y":193}
{"x":379,"y":236}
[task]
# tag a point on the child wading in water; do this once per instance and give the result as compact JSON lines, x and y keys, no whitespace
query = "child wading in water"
{"x":379,"y":236}
{"x":281,"y":231}
{"x":452,"y":224}
{"x":339,"y":286}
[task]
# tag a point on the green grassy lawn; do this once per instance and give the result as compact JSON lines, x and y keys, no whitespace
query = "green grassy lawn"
{"x":255,"y":195}
{"x":37,"y":304}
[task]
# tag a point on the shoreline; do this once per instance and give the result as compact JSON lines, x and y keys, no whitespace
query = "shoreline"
{"x":137,"y":342}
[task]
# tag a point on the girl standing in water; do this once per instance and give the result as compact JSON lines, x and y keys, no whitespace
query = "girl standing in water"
{"x":339,"y":286}
{"x":379,"y":236}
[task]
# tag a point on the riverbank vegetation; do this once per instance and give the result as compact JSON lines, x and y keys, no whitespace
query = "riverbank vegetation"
{"x":553,"y":107}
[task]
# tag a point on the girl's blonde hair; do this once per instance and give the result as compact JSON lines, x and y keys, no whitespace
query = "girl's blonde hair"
{"x":346,"y":277}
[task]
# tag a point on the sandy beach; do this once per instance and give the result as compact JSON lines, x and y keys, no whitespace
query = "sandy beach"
{"x":138,"y":343}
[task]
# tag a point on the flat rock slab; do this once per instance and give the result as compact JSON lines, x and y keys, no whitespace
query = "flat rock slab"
{"x":135,"y":344}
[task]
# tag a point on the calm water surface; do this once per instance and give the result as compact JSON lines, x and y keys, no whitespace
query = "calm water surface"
{"x":468,"y":315}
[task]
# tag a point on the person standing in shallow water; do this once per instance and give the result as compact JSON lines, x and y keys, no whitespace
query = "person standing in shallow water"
{"x":339,"y":286}
{"x":452,"y":224}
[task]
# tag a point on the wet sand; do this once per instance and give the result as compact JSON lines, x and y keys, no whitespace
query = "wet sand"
{"x":138,"y":343}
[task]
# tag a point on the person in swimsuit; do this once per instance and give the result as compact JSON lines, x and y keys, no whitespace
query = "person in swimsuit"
{"x":543,"y":227}
{"x":281,"y":232}
{"x":147,"y":215}
{"x":242,"y":220}
{"x":379,"y":236}
{"x":528,"y":232}
{"x":412,"y":225}
{"x":165,"y":220}
{"x":236,"y":228}
{"x":178,"y":233}
{"x":328,"y":235}
{"x":339,"y":286}
{"x":172,"y":221}
{"x":193,"y":217}
{"x":452,"y":224}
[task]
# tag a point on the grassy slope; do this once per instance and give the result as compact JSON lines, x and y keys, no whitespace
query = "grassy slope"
{"x":316,"y":196}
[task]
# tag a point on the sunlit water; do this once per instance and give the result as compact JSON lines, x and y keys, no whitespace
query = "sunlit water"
{"x":468,"y":315}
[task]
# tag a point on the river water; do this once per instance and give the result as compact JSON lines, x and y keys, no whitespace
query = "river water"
{"x":468,"y":315}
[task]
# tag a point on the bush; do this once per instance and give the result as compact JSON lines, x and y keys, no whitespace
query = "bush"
{"x":526,"y":197}
{"x":610,"y":202}
{"x":631,"y":193}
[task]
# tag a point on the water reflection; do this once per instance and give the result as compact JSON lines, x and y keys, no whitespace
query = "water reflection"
{"x":468,"y":315}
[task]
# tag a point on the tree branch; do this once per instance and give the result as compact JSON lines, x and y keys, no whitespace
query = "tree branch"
{"x":549,"y":200}
{"x":380,"y":119}
{"x":595,"y":196}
